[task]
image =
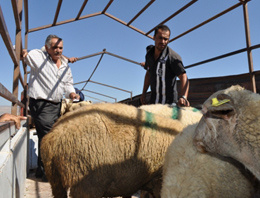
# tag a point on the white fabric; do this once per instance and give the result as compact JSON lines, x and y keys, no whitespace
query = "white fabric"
{"x":161,"y":82}
{"x":47,"y":81}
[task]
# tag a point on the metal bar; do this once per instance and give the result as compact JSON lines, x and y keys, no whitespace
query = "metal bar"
{"x":104,"y":85}
{"x":21,"y":79}
{"x":109,"y":86}
{"x":9,"y":96}
{"x":26,"y":18}
{"x":207,"y":21}
{"x":94,"y":69}
{"x":100,"y":94}
{"x":124,"y":23}
{"x":91,"y":55}
{"x":63,"y":22}
{"x":248,"y":45}
{"x":126,"y":59}
{"x":81,"y":9}
{"x":16,"y":14}
{"x":139,"y":13}
{"x":95,"y":98}
{"x":174,"y":14}
{"x":25,"y":94}
{"x":107,"y":6}
{"x":222,"y":56}
{"x":57,"y":12}
{"x":6,"y":38}
{"x":80,"y":82}
{"x":17,"y":74}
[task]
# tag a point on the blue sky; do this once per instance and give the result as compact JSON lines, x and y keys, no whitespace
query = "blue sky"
{"x":92,"y":35}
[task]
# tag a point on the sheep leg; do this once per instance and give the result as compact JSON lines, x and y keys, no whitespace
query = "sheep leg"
{"x":84,"y":189}
{"x":58,"y":190}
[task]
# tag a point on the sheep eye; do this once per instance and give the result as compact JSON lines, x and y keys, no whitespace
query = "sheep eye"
{"x":220,"y":114}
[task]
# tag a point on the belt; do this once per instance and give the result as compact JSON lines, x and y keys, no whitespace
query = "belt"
{"x":43,"y":100}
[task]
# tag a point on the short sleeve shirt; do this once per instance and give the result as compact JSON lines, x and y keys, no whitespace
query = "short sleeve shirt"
{"x":163,"y":73}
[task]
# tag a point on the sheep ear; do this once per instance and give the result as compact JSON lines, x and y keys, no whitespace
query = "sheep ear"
{"x":223,"y":108}
{"x":225,"y":97}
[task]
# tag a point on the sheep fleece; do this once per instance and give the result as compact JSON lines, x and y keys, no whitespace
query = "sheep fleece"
{"x":232,"y":129}
{"x":189,"y":173}
{"x":106,"y":150}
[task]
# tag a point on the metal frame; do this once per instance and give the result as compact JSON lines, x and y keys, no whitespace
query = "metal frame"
{"x":15,"y":53}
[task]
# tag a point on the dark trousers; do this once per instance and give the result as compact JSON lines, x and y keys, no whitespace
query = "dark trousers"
{"x":44,"y":114}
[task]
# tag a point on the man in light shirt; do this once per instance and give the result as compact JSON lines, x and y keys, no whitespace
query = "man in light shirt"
{"x":50,"y":78}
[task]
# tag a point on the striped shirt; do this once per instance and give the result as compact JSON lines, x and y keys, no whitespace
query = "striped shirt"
{"x":47,"y":81}
{"x":163,"y":73}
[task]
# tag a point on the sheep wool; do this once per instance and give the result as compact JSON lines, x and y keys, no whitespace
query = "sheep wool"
{"x":236,"y":132}
{"x":186,"y":115}
{"x":107,"y":150}
{"x":188,"y":173}
{"x":67,"y":105}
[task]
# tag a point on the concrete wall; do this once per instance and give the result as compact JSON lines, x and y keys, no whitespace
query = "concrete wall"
{"x":13,"y":160}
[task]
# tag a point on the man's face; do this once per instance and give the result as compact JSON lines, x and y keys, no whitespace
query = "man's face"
{"x":56,"y":48}
{"x":161,"y":39}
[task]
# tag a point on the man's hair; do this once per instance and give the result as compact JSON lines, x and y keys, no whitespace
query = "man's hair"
{"x":48,"y":40}
{"x":161,"y":27}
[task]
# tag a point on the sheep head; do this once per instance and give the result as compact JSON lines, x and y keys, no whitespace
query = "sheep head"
{"x":230,"y":126}
{"x":217,"y":123}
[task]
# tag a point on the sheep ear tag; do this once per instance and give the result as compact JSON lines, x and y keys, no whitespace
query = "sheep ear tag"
{"x":216,"y":102}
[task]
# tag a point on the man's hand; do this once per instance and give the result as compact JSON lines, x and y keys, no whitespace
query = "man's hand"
{"x":10,"y":117}
{"x":74,"y":96}
{"x":72,"y":59}
{"x":24,"y":53}
{"x":142,"y":64}
{"x":183,"y":102}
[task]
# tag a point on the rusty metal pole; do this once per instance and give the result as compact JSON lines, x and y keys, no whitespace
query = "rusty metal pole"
{"x":26,"y":99}
{"x":248,"y":46}
{"x":18,"y":52}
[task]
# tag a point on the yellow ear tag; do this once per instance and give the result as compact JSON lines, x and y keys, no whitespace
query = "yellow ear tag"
{"x":216,"y":102}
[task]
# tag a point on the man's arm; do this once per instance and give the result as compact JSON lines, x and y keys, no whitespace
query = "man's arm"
{"x":183,"y":100}
{"x":145,"y":87}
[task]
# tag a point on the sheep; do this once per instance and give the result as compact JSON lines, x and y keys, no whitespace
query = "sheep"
{"x":107,"y":150}
{"x":230,"y":126}
{"x":186,"y":115}
{"x":188,"y":173}
{"x":67,"y":105}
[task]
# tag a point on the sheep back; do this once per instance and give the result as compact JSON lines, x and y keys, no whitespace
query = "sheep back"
{"x":186,"y":115}
{"x":106,"y":150}
{"x":68,"y":105}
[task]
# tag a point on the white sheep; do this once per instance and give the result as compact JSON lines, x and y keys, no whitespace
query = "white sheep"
{"x":231,"y":126}
{"x":188,"y":173}
{"x":186,"y":115}
{"x":107,"y":150}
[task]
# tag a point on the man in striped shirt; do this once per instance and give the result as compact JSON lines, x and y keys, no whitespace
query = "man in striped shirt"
{"x":163,"y":66}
